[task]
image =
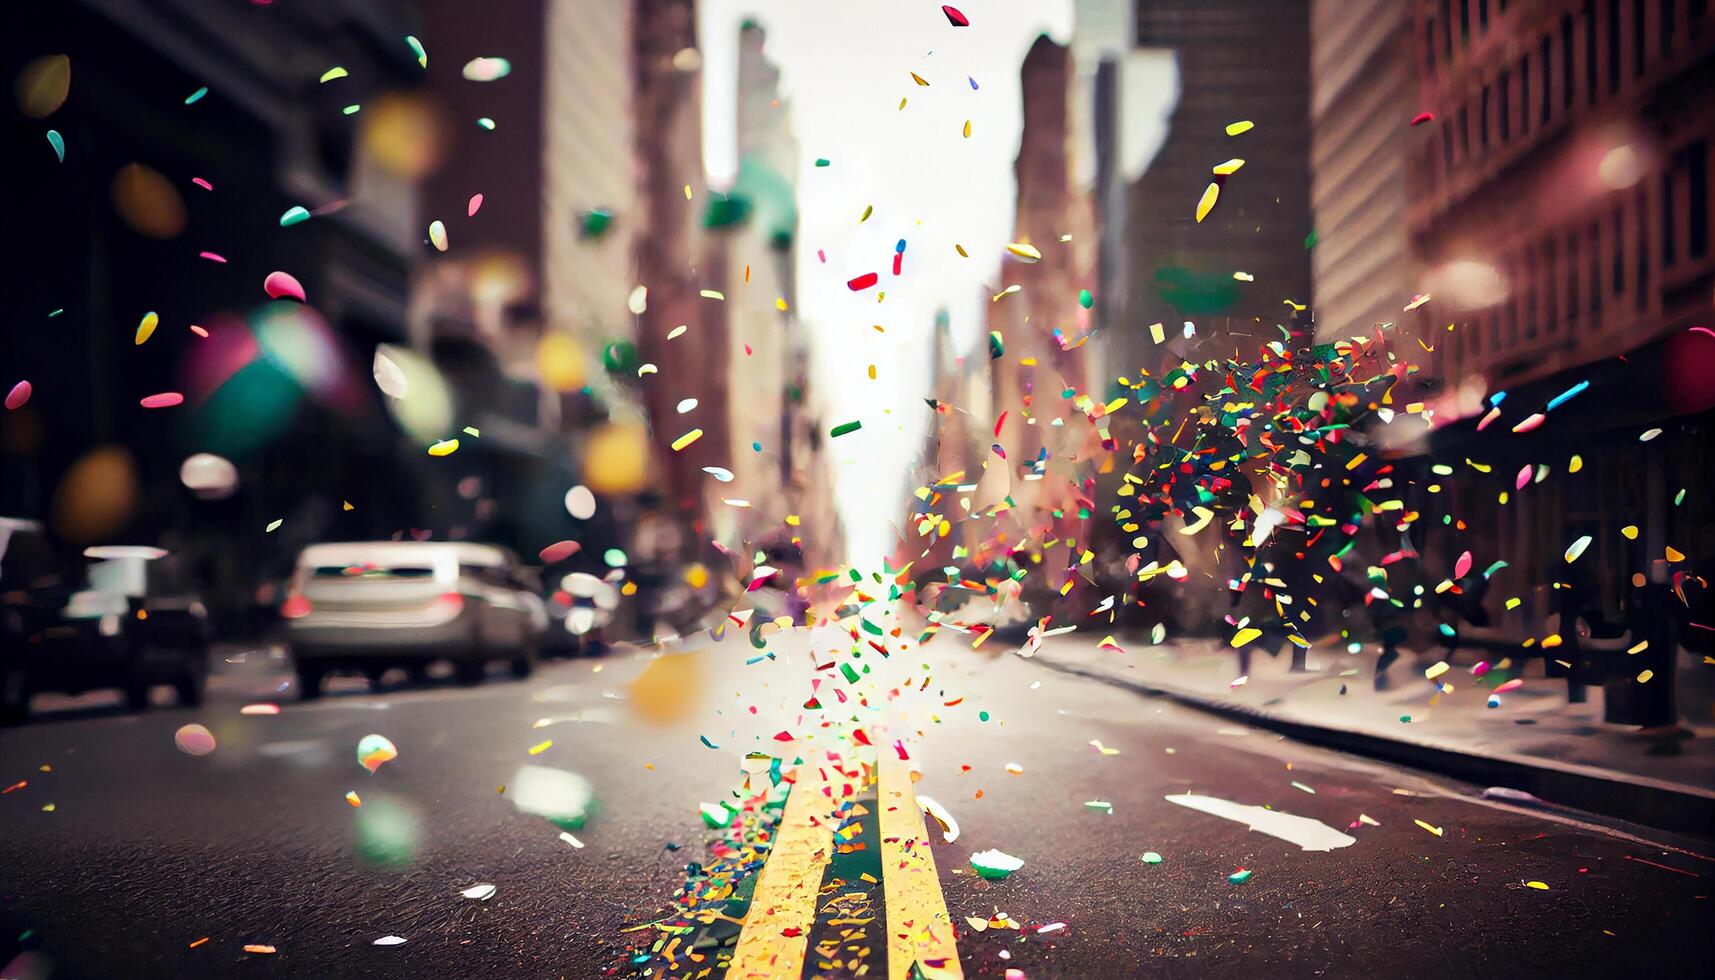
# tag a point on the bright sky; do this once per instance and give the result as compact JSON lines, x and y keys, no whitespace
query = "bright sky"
{"x":844,"y":66}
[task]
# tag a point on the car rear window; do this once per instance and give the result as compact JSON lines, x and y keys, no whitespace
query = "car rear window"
{"x":371,"y":572}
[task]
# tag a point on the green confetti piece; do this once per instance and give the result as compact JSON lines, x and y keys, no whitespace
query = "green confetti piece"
{"x":1085,"y":298}
{"x":486,"y":123}
{"x":351,"y":110}
{"x":195,"y":97}
{"x":1240,"y":876}
{"x":296,"y":214}
{"x":1150,"y":857}
{"x":843,"y":428}
{"x":997,"y":346}
{"x":416,"y":47}
{"x":58,"y":142}
{"x":822,"y":161}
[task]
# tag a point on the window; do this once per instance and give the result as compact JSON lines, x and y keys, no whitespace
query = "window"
{"x":1447,"y":148}
{"x":1697,"y":209}
{"x":1429,"y":45}
{"x":1619,"y":250}
{"x":1639,"y":45}
{"x":1446,"y":23}
{"x":1614,"y":42}
{"x":1464,"y":23}
{"x":1566,"y":60}
{"x":1506,"y":121}
{"x":1524,"y":95}
{"x":1642,"y":238}
{"x":1667,"y":209}
{"x":1551,"y":285}
{"x":1531,"y":288}
{"x":1483,"y":120}
{"x":1572,"y":293}
{"x":1595,"y":269}
{"x":1482,"y":15}
{"x":1694,"y":12}
{"x":1669,"y":9}
{"x":1547,"y":59}
{"x":1464,"y":129}
{"x":1590,"y":50}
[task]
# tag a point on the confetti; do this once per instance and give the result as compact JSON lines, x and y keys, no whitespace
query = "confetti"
{"x":1207,"y":202}
{"x":374,"y":750}
{"x":18,"y":396}
{"x":194,"y":740}
{"x":146,"y":328}
{"x":283,"y":285}
{"x":438,"y":235}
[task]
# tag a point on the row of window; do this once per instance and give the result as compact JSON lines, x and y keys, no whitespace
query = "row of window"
{"x":1448,"y":25}
{"x":1569,"y":280}
{"x":1583,"y":55}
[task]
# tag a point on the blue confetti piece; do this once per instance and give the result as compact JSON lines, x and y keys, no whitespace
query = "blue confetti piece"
{"x":58,"y":143}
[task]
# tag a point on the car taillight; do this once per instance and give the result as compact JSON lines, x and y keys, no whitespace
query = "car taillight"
{"x":295,"y":607}
{"x":451,"y":603}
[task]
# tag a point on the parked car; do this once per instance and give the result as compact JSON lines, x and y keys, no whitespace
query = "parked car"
{"x":368,"y":606}
{"x":123,"y":621}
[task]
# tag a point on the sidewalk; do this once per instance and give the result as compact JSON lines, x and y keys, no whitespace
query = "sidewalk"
{"x":1533,"y":741}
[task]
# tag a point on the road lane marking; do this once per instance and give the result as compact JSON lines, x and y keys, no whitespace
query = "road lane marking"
{"x":776,"y":933}
{"x":919,"y":930}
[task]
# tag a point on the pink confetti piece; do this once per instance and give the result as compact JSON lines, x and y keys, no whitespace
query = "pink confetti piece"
{"x":19,"y":394}
{"x":559,"y":551}
{"x":199,"y":331}
{"x":213,"y":257}
{"x":1463,"y":566}
{"x":1422,"y":117}
{"x":205,"y":185}
{"x":280,"y":284}
{"x":475,"y":206}
{"x":166,"y":399}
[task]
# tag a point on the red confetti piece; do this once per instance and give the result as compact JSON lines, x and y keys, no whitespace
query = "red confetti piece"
{"x":19,"y":394}
{"x":1422,"y":117}
{"x":862,"y":282}
{"x":559,"y":551}
{"x":956,"y":18}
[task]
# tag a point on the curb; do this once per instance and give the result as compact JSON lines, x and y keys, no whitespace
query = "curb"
{"x":1650,"y":802}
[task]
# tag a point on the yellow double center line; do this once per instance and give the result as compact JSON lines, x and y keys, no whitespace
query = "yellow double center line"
{"x":776,"y":933}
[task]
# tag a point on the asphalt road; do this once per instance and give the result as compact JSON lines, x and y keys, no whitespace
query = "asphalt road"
{"x":147,"y":849}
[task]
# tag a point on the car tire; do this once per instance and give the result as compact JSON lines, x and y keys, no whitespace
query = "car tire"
{"x":310,"y":681}
{"x":418,"y":674}
{"x":470,"y":673}
{"x":189,"y":688}
{"x":375,"y":675}
{"x":523,"y":667}
{"x":14,"y":696}
{"x":137,"y":695}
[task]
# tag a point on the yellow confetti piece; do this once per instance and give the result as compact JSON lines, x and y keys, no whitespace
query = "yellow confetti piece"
{"x":1211,"y":194}
{"x":687,"y":439}
{"x":687,"y":192}
{"x":146,"y":327}
{"x":1157,"y":332}
{"x":961,"y":250}
{"x":333,"y":73}
{"x":1644,"y":676}
{"x":868,"y":209}
{"x":1437,"y":670}
{"x":1025,"y":251}
{"x":1434,"y":830}
{"x":352,"y":797}
{"x":713,"y":294}
{"x":446,"y":447}
{"x":1538,"y":885}
{"x":1245,"y":635}
{"x":919,"y":79}
{"x":1229,"y":168}
{"x":541,"y":747}
{"x":1674,"y":554}
{"x":1630,"y":532}
{"x":967,"y":129}
{"x":1576,"y":464}
{"x":1242,"y":126}
{"x":1638,"y":647}
{"x":780,"y":303}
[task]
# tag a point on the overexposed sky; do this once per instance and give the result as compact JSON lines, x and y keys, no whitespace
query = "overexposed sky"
{"x":844,"y":66}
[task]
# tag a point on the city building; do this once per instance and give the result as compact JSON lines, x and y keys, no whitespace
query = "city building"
{"x":1560,"y":207}
{"x":1363,"y":91}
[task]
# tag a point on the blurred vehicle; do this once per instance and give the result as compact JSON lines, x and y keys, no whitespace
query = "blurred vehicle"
{"x":579,"y":612}
{"x":368,"y":606}
{"x":131,"y":625}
